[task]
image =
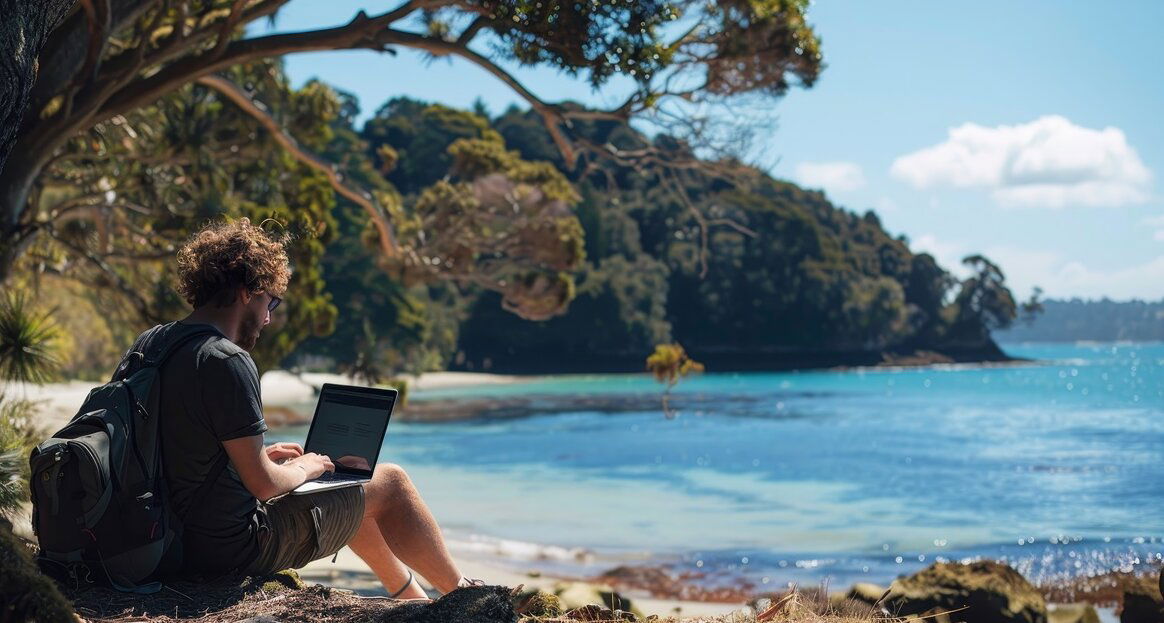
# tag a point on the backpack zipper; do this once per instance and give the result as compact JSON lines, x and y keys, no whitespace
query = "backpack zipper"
{"x":138,"y":410}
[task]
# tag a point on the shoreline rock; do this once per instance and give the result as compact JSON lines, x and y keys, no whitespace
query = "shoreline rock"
{"x":978,"y":592}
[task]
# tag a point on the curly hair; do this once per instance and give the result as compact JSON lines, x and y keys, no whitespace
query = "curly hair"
{"x":223,"y":257}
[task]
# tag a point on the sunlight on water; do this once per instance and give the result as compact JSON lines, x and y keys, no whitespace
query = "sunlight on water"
{"x":863,"y":474}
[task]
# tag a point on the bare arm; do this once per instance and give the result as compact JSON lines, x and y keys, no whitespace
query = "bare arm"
{"x":265,"y":478}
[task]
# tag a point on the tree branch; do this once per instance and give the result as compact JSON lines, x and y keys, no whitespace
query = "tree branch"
{"x":361,"y":32}
{"x":100,"y":264}
{"x":551,"y":114}
{"x":228,"y":27}
{"x":359,"y":196}
{"x":100,"y":18}
{"x":471,"y":30}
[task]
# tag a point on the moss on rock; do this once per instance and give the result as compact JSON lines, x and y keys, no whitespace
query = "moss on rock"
{"x":534,"y":602}
{"x":280,"y":581}
{"x":25,"y":593}
{"x":981,"y":592}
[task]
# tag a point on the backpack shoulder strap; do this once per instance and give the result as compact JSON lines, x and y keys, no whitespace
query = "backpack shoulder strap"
{"x":177,"y":337}
{"x":132,"y":359}
{"x":154,"y":347}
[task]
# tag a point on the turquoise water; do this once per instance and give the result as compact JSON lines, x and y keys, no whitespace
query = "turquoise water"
{"x":1056,"y":467}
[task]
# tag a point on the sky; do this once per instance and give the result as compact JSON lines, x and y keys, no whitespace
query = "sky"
{"x":1030,"y":132}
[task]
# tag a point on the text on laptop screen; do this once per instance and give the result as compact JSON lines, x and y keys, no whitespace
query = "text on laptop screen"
{"x":349,"y":428}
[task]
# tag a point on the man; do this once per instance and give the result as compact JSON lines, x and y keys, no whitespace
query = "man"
{"x":234,"y":275}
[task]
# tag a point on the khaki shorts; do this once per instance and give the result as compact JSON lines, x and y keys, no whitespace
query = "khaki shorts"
{"x":297,"y":529}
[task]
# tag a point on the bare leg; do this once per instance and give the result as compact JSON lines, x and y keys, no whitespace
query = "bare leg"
{"x":408,"y":532}
{"x":369,"y":545}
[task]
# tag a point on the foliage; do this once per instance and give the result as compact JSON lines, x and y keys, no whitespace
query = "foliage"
{"x":137,"y":186}
{"x":123,"y":155}
{"x":27,"y":340}
{"x":670,"y":363}
{"x":784,"y":273}
{"x":1031,"y":308}
{"x":470,"y":214}
{"x":984,"y":302}
{"x":27,"y":355}
{"x":18,"y":434}
{"x":105,"y":72}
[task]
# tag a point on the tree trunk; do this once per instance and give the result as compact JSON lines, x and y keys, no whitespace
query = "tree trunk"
{"x":25,"y":28}
{"x":16,"y":182}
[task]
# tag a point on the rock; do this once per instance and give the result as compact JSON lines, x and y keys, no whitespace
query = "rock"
{"x":981,"y":592}
{"x":468,"y":604}
{"x":1072,"y":613}
{"x":572,"y":595}
{"x":287,"y":579}
{"x":1142,"y":603}
{"x":538,"y":603}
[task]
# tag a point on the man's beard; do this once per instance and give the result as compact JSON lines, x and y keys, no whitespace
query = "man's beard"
{"x":248,"y":333}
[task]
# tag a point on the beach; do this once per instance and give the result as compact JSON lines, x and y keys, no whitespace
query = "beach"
{"x":283,"y":390}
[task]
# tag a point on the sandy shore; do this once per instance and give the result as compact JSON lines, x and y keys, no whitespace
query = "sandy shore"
{"x":60,"y":401}
{"x":348,"y":571}
{"x":282,"y":388}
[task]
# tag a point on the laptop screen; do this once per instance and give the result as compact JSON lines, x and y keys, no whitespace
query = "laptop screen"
{"x":349,"y":426}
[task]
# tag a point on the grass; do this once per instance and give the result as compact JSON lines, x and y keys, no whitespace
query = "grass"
{"x":18,"y":434}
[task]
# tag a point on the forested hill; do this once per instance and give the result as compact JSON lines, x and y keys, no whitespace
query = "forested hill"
{"x":786,"y":279}
{"x":1101,"y":321}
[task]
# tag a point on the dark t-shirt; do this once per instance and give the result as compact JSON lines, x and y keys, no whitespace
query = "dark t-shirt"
{"x":210,"y":394}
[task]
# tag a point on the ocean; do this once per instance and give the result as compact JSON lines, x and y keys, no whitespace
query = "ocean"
{"x":1056,"y":467}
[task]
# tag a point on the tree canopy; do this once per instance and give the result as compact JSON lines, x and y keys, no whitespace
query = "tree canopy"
{"x":68,"y":66}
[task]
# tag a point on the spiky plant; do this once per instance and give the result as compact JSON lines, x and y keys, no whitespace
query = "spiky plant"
{"x":27,"y":340}
{"x":18,"y":433}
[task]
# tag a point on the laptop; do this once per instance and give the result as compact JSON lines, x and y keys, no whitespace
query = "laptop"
{"x":349,"y":427}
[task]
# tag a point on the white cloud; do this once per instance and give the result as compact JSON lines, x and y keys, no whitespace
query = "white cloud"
{"x":1058,"y":276}
{"x":1157,"y":223}
{"x":831,"y":176}
{"x":948,"y":254}
{"x":1049,"y":162}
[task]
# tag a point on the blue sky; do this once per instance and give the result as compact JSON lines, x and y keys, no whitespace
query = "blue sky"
{"x":1028,"y":131}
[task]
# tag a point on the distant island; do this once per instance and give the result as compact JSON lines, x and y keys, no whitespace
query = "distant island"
{"x":1099,"y":321}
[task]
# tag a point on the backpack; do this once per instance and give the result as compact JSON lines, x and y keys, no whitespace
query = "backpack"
{"x":99,"y":502}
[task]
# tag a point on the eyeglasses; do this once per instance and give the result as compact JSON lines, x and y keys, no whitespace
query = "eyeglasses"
{"x":274,"y":302}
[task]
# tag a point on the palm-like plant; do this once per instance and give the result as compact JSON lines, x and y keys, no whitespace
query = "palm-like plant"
{"x":27,"y":342}
{"x":27,"y":339}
